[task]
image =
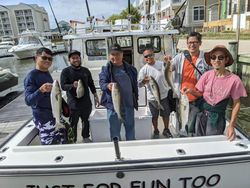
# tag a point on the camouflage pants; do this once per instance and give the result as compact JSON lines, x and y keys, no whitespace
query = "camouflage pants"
{"x":48,"y":135}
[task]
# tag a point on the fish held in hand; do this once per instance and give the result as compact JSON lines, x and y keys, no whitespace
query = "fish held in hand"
{"x":154,"y":87}
{"x":183,"y":111}
{"x":79,"y":89}
{"x":169,"y":78}
{"x":56,"y":103}
{"x":116,"y":99}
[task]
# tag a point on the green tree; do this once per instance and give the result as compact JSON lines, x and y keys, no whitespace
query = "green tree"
{"x":134,"y":12}
{"x":114,"y":17}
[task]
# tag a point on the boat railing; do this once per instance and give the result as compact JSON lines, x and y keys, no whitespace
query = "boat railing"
{"x":120,"y":27}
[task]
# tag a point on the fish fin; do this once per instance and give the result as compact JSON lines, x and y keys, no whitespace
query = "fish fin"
{"x":161,"y":107}
{"x":59,"y":126}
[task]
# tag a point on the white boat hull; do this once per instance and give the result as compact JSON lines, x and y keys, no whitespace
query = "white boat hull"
{"x":210,"y":161}
{"x":24,"y":53}
{"x":149,"y":176}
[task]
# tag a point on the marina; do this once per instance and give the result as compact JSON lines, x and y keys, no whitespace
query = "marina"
{"x":179,"y":161}
{"x":123,"y":164}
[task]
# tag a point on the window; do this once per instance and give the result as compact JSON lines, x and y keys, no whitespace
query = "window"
{"x":149,"y":42}
{"x":124,"y":41}
{"x":198,"y":13}
{"x":96,"y":49}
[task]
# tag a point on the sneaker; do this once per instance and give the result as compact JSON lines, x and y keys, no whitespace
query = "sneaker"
{"x":156,"y":134}
{"x":87,"y":140}
{"x":166,"y":132}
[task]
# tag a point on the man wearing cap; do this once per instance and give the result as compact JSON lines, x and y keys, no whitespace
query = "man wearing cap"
{"x":217,"y":86}
{"x":125,"y":75}
{"x":79,"y":107}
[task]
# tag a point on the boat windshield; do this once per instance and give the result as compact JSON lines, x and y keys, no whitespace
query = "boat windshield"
{"x":29,"y":40}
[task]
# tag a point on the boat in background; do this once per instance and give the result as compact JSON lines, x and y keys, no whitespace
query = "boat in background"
{"x":7,"y":81}
{"x":28,"y":44}
{"x":5,"y":44}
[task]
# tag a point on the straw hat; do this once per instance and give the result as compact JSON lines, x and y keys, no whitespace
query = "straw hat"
{"x":219,"y":48}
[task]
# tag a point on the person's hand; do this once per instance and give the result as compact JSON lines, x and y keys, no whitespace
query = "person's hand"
{"x":109,"y":86}
{"x":75,"y":84}
{"x":146,"y":80}
{"x":186,"y":90}
{"x":46,"y":87}
{"x":231,"y":135}
{"x":97,"y":102}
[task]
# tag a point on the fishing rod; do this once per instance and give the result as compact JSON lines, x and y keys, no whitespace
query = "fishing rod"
{"x":55,"y":17}
{"x":90,"y":18}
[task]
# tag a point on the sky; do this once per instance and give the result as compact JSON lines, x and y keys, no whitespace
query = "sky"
{"x":75,"y":9}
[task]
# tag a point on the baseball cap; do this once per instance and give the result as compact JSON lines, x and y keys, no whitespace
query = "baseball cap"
{"x":115,"y":48}
{"x":74,"y":52}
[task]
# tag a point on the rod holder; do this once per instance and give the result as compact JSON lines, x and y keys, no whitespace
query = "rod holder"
{"x":117,"y":148}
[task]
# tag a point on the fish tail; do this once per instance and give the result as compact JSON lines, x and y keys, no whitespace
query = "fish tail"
{"x":161,"y":107}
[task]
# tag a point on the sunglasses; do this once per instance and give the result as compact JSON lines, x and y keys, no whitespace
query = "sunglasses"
{"x":45,"y":58}
{"x":220,"y":57}
{"x":193,"y":42}
{"x":149,"y":56}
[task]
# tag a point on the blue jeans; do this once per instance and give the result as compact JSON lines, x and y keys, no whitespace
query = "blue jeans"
{"x":115,"y":123}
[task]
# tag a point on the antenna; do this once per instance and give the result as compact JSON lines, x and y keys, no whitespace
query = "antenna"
{"x":87,"y":5}
{"x":90,"y":18}
{"x":129,"y":7}
{"x":55,"y":18}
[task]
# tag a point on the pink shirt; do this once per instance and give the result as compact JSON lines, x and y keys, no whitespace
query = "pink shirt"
{"x":216,"y":89}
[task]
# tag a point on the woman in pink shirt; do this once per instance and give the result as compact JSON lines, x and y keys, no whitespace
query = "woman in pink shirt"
{"x":217,"y":86}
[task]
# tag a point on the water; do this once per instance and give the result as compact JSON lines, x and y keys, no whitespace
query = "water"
{"x":22,"y":67}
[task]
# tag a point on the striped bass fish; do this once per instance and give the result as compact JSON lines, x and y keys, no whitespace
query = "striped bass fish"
{"x":156,"y":92}
{"x":116,"y":99}
{"x":79,"y":89}
{"x":183,"y":111}
{"x":56,"y":103}
{"x":169,"y":78}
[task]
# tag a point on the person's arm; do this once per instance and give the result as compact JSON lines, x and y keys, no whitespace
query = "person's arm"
{"x":32,"y":94}
{"x":196,"y":93}
{"x":93,"y":89}
{"x":91,"y":84}
{"x":64,"y":81}
{"x":142,"y":78}
{"x":104,"y":81}
{"x":230,"y":130}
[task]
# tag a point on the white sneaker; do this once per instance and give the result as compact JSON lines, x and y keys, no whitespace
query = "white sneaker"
{"x":87,"y":140}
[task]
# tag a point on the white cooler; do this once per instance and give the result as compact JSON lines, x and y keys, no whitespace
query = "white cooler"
{"x":99,"y":125}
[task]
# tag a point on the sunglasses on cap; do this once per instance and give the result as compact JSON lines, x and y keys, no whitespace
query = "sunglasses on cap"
{"x":45,"y":58}
{"x":220,"y":57}
{"x":149,"y":56}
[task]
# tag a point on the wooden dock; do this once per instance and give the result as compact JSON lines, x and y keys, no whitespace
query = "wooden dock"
{"x":13,"y":115}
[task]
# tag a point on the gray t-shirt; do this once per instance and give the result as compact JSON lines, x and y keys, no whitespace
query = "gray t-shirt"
{"x":122,"y":78}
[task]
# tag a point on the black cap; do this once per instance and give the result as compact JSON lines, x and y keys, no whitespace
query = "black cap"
{"x":74,"y":52}
{"x":115,"y":48}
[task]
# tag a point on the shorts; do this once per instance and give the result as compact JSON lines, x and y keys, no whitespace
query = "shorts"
{"x":163,"y":112}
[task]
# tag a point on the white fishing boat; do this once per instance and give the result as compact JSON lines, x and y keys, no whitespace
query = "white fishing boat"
{"x":197,"y":162}
{"x":28,"y":44}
